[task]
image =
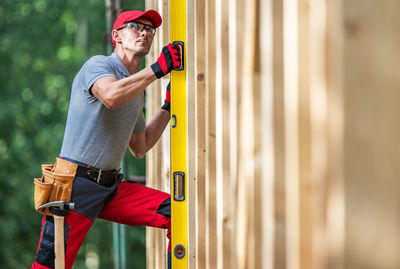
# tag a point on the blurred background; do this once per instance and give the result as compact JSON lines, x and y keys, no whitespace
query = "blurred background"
{"x":43,"y":44}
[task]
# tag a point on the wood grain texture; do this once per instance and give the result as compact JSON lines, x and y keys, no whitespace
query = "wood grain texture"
{"x":293,"y":138}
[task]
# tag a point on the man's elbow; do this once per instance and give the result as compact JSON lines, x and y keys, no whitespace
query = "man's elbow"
{"x":111,"y":99}
{"x":138,"y":154}
{"x":110,"y":102}
{"x":107,"y":96}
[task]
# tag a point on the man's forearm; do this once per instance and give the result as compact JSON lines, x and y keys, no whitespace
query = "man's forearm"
{"x":156,"y":127}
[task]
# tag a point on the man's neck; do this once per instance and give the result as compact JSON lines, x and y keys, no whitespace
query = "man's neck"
{"x":129,"y":60}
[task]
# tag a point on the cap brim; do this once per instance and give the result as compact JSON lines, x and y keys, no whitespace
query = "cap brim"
{"x":153,"y":16}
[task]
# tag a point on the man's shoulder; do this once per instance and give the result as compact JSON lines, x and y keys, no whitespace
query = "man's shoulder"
{"x":95,"y":67}
{"x":98,"y":63}
{"x":99,"y":59}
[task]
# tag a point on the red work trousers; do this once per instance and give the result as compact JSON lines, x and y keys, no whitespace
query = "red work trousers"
{"x":126,"y":203}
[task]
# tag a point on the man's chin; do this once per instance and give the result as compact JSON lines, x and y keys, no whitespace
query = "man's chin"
{"x":142,"y":51}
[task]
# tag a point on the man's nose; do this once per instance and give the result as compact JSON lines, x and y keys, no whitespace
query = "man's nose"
{"x":143,"y":32}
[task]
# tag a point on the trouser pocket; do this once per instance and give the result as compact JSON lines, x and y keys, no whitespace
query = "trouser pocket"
{"x":45,"y":255}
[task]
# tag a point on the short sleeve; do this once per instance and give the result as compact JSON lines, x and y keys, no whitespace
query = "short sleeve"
{"x":140,"y":125}
{"x":95,"y":68}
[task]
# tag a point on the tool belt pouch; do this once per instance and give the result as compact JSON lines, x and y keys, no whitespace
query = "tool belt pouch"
{"x":54,"y":185}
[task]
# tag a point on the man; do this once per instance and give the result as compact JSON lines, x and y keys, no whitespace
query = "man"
{"x":104,"y":118}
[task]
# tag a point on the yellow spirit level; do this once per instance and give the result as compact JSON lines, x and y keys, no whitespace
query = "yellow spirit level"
{"x":179,"y":212}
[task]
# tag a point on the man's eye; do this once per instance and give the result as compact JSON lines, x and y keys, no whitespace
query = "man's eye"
{"x":132,"y":25}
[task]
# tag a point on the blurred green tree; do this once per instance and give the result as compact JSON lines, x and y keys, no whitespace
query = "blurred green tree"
{"x":43,"y":44}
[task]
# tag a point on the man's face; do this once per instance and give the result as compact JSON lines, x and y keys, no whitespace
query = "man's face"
{"x":133,"y":40}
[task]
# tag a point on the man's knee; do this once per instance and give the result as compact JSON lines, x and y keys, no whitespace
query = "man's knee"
{"x":165,"y":208}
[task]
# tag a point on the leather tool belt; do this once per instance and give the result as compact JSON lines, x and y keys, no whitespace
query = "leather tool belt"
{"x":100,"y":176}
{"x":56,"y":182}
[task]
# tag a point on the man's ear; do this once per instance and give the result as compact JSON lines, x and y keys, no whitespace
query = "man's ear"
{"x":115,"y":36}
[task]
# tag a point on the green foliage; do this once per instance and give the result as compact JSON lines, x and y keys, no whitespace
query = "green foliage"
{"x":43,"y":43}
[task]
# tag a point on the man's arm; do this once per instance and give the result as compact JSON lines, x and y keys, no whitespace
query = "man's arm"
{"x":141,"y":142}
{"x":114,"y":93}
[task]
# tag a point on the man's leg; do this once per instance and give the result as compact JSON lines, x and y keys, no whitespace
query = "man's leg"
{"x":135,"y":205}
{"x":89,"y":198}
{"x":76,"y":227}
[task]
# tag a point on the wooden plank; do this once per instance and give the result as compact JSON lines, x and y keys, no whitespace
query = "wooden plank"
{"x":371,"y":149}
{"x":279,"y":168}
{"x":159,"y":244}
{"x":265,"y":174}
{"x":257,"y":250}
{"x":305,"y":192}
{"x":319,"y":132}
{"x":335,"y":219}
{"x":290,"y":50}
{"x":191,"y":132}
{"x":251,"y":106}
{"x":150,"y":160}
{"x":235,"y":56}
{"x":224,"y":216}
{"x":246,"y":223}
{"x":211,"y":211}
{"x":164,"y":177}
{"x":200,"y":133}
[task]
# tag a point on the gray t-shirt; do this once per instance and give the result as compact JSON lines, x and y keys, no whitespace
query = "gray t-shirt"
{"x":94,"y":134}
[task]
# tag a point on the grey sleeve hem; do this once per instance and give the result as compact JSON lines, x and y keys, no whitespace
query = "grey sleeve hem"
{"x":96,"y":78}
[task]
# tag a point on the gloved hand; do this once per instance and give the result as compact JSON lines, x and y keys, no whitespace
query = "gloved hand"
{"x":167,"y":102}
{"x":169,"y":59}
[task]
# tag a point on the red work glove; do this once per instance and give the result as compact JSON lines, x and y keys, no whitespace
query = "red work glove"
{"x":167,"y":102}
{"x":169,"y":59}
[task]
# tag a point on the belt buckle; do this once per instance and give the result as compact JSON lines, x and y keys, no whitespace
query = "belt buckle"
{"x":99,"y":176}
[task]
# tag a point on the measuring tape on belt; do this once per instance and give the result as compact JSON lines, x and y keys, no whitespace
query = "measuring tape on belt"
{"x":179,"y":211}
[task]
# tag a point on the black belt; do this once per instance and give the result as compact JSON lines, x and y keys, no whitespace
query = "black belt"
{"x":103,"y":177}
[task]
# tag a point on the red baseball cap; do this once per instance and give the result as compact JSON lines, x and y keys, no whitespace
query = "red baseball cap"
{"x":152,"y":15}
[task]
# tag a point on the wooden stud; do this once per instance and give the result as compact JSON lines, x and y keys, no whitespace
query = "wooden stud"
{"x":305,"y":192}
{"x":245,"y":245}
{"x":224,"y":216}
{"x":335,"y":204}
{"x":211,"y":211}
{"x":319,"y":132}
{"x":371,"y":149}
{"x":290,"y":33}
{"x":279,"y":155}
{"x":265,"y":173}
{"x":150,"y":160}
{"x":191,"y":133}
{"x":200,"y":133}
